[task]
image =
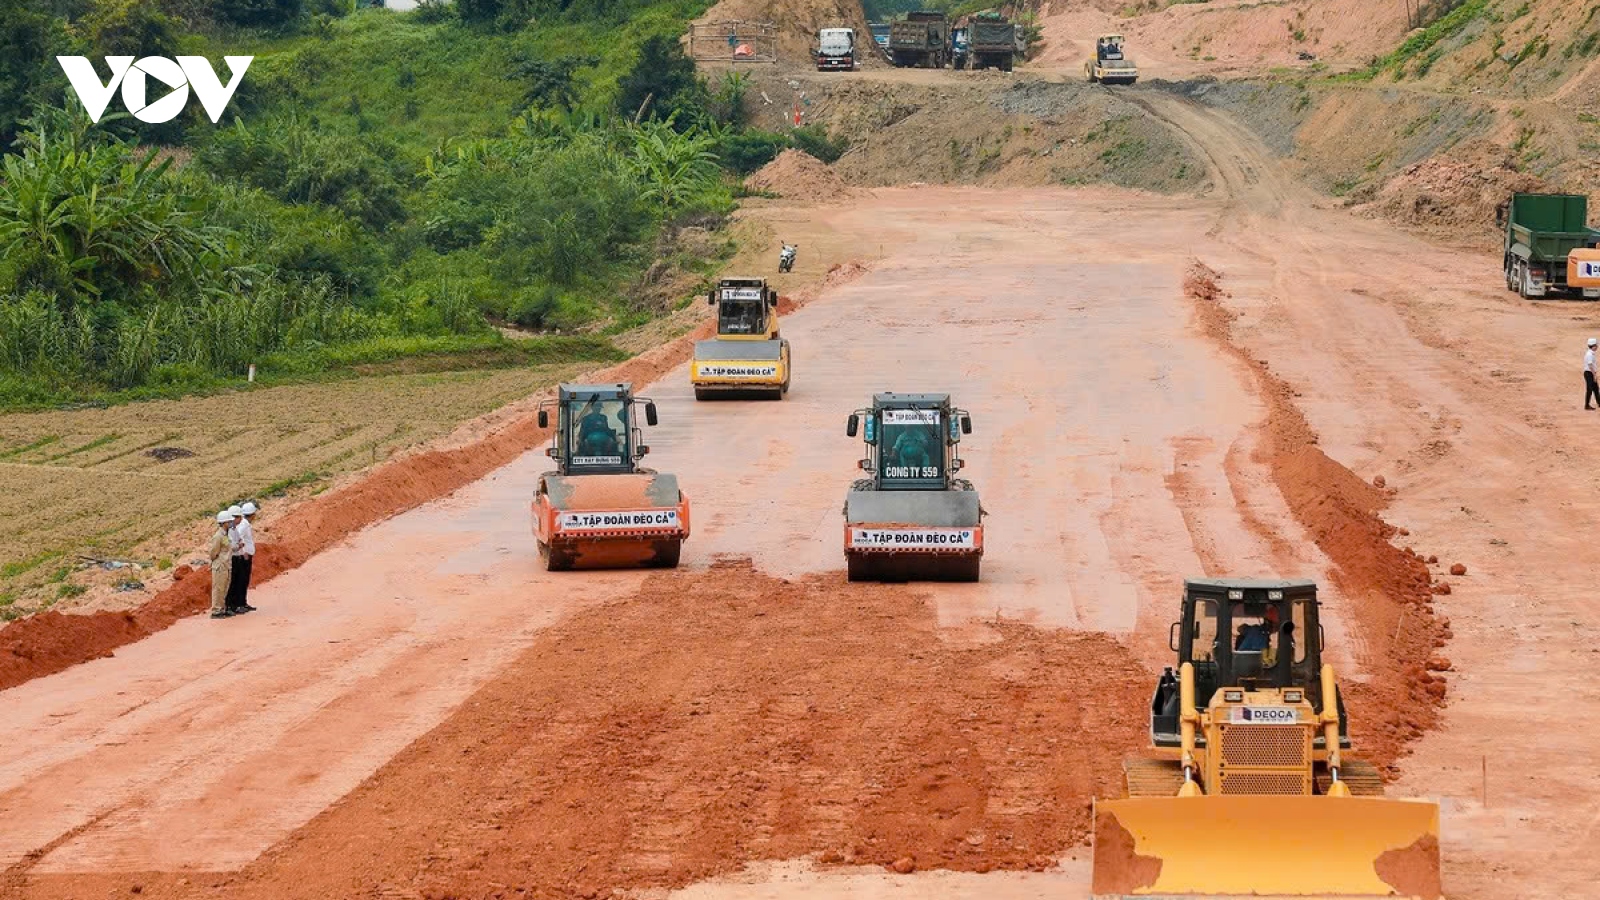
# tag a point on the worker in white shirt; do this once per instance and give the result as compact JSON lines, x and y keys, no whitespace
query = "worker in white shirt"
{"x":220,"y":549}
{"x":1589,"y":388}
{"x":244,"y":550}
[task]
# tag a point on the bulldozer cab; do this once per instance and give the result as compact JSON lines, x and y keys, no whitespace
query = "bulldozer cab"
{"x":596,"y":432}
{"x":911,"y":440}
{"x":746,"y":309}
{"x":1247,"y":634}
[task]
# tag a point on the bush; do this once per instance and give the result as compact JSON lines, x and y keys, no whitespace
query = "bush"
{"x":293,"y":161}
{"x":278,"y":14}
{"x":815,"y":141}
{"x":665,"y":77}
{"x":746,"y":151}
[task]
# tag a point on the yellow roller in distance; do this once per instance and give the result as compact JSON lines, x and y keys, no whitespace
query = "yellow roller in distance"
{"x":1291,"y":846}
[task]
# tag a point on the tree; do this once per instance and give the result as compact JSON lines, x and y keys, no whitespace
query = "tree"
{"x":665,"y":77}
{"x":262,"y":13}
{"x":29,"y":41}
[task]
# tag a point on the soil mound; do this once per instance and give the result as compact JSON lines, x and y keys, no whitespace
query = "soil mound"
{"x":797,"y":175}
{"x":790,"y":718}
{"x":1457,"y":195}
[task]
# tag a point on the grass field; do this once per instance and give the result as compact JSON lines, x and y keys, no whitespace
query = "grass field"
{"x":85,"y":481}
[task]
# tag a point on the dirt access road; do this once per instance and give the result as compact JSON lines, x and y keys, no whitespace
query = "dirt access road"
{"x":422,"y":712}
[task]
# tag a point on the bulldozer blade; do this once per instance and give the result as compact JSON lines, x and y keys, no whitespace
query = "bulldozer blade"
{"x":1266,"y":846}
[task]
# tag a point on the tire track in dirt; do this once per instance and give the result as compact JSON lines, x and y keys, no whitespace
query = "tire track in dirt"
{"x":714,"y":719}
{"x":1388,"y":588}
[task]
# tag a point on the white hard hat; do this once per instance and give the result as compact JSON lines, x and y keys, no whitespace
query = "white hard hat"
{"x":1593,"y":342}
{"x":225,"y":517}
{"x":235,"y":511}
{"x":248,"y":508}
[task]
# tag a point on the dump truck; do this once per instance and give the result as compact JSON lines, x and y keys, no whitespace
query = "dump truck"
{"x":1248,"y":787}
{"x":880,"y":34}
{"x":1110,"y":65}
{"x":921,"y":39}
{"x":1549,"y":246}
{"x":911,"y":518}
{"x":993,"y":41}
{"x":747,"y":358}
{"x":836,"y":49}
{"x":599,"y":509}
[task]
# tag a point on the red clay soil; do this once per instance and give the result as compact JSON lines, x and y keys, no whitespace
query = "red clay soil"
{"x":1117,"y":868}
{"x":714,"y":719}
{"x":1413,"y":871}
{"x":51,"y":641}
{"x":1387,"y":587}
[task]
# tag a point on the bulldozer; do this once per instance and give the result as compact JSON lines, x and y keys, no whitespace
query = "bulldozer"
{"x":1109,"y":65}
{"x":912,"y":518}
{"x":1248,"y":788}
{"x":600,"y":509}
{"x":747,"y":358}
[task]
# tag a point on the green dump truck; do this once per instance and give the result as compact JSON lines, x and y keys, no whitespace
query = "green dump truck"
{"x":1542,"y":231}
{"x":993,"y":41}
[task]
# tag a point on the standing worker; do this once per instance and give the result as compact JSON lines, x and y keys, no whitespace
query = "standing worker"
{"x":244,"y":555}
{"x":221,"y":552}
{"x":1589,"y":388}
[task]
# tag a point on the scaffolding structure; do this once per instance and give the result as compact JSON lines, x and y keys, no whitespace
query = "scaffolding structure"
{"x":733,"y":42}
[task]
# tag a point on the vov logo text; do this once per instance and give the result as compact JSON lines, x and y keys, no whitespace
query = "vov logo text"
{"x":133,"y":76}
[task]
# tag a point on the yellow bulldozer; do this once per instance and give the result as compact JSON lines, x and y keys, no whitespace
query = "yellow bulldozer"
{"x":1247,"y":789}
{"x":747,"y":358}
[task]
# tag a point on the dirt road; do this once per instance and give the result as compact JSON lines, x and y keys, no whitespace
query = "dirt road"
{"x":423,"y":712}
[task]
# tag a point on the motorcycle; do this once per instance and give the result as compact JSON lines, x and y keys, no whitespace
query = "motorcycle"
{"x":786,"y":257}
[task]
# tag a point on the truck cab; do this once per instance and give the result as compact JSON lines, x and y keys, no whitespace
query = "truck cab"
{"x":960,"y":47}
{"x":836,"y":49}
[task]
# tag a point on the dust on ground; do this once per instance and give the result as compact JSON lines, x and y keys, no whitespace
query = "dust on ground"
{"x":717,"y":718}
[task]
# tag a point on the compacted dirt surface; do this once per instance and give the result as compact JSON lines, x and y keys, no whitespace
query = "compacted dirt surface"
{"x":1161,"y":387}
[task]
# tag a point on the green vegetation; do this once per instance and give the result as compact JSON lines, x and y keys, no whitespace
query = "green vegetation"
{"x":1448,"y":25}
{"x":384,"y":187}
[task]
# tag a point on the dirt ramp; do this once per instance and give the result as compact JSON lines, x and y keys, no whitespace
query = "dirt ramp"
{"x":721,"y":717}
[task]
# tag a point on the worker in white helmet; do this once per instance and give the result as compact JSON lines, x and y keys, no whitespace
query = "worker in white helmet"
{"x":246,"y":552}
{"x":1589,"y":388}
{"x":220,"y":550}
{"x":236,"y":586}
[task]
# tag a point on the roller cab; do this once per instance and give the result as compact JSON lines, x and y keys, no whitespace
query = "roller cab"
{"x":912,"y":519}
{"x":747,"y":359}
{"x":599,"y":508}
{"x":1248,"y":788}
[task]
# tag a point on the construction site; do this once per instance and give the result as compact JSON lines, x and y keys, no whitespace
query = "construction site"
{"x":1149,"y":463}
